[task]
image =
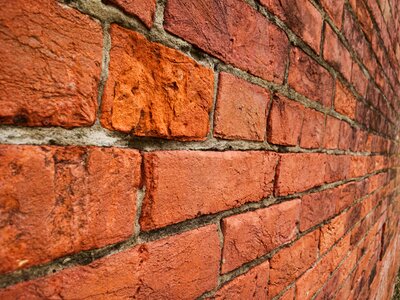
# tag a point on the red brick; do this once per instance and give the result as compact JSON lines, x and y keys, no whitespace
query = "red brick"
{"x":251,"y":235}
{"x":364,"y":18}
{"x":358,"y":79}
{"x":289,"y":263}
{"x":52,"y":201}
{"x":142,"y":9}
{"x":334,"y":8}
{"x":251,"y":285}
{"x":284,"y":121}
{"x":241,"y":109}
{"x":317,"y":207}
{"x":301,"y":16}
{"x":289,"y":294}
{"x":336,"y":54}
{"x":49,"y":66}
{"x":337,"y":168}
{"x":153,"y":90}
{"x":309,"y":78}
{"x":179,"y":267}
{"x":232,"y":31}
{"x":346,"y":139}
{"x":345,"y":102}
{"x":312,"y":131}
{"x":314,"y":279}
{"x":300,"y":172}
{"x":331,"y":133}
{"x":354,"y":34}
{"x":347,"y":195}
{"x":181,"y":185}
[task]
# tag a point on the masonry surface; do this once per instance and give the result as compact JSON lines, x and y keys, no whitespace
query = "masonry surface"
{"x":208,"y":149}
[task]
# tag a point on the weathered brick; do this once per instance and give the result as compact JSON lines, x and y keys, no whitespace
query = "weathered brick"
{"x":241,"y":109}
{"x":181,"y":185}
{"x":309,"y":78}
{"x":336,"y":54}
{"x":232,"y":31}
{"x":50,"y":67}
{"x":289,"y":263}
{"x":300,"y":172}
{"x":301,"y":16}
{"x":314,"y":279}
{"x":346,"y":139}
{"x":345,"y":102}
{"x":251,"y":285}
{"x":337,"y":168}
{"x":358,"y":79}
{"x":334,"y":8}
{"x":53,"y":201}
{"x":153,"y":90}
{"x":331,"y":133}
{"x":253,"y":234}
{"x":317,"y":207}
{"x":312,"y":131}
{"x":143,"y":9}
{"x":178,"y":267}
{"x":284,"y":121}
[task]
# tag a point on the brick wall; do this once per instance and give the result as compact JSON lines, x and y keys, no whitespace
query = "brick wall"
{"x":212,"y":149}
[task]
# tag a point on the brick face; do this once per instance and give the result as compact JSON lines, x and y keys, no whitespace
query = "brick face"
{"x":68,"y":187}
{"x":148,"y":270}
{"x":184,"y":184}
{"x":210,"y":149}
{"x":241,"y":109}
{"x":49,"y":76}
{"x":222,"y":29}
{"x":153,"y":90}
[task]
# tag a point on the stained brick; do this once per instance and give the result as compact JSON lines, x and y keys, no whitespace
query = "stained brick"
{"x":285,"y":121}
{"x":49,"y":66}
{"x":334,"y":9}
{"x":345,"y":102}
{"x":309,"y":78}
{"x":312,"y":131}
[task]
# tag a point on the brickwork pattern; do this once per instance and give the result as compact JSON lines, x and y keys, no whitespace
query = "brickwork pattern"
{"x":209,"y":149}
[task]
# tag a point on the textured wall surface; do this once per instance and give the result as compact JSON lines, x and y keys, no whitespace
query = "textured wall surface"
{"x":211,"y":149}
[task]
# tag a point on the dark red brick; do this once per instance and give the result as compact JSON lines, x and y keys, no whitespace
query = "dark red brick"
{"x":50,"y":67}
{"x":334,"y":8}
{"x":284,"y":121}
{"x":309,"y":78}
{"x":345,"y":102}
{"x":232,"y":31}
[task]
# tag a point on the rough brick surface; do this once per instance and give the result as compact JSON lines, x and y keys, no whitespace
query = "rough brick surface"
{"x":284,"y":121}
{"x":251,"y":235}
{"x":335,"y":10}
{"x":241,"y":109}
{"x":301,"y":16}
{"x":184,"y":184}
{"x":290,"y":263}
{"x":53,"y":198}
{"x":251,"y":285}
{"x":345,"y":103}
{"x":222,"y":28}
{"x":153,"y":90}
{"x":50,"y":67}
{"x":180,"y":267}
{"x":143,"y":9}
{"x":312,"y":131}
{"x":309,"y":78}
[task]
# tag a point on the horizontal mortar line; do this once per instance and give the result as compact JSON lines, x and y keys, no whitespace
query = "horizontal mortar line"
{"x":87,"y":256}
{"x":301,"y":44}
{"x":98,"y":136}
{"x":349,"y":252}
{"x":226,"y":278}
{"x":165,"y":39}
{"x":359,"y":61}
